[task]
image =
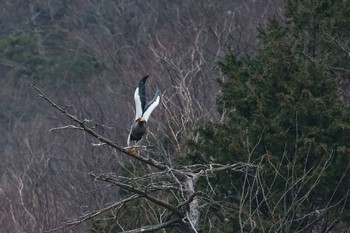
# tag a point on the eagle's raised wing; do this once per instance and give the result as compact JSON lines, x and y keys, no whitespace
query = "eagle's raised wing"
{"x":151,"y":105}
{"x":140,"y":98}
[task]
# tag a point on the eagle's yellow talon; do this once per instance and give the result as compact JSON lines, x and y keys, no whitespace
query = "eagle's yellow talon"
{"x":131,"y":149}
{"x":134,"y":151}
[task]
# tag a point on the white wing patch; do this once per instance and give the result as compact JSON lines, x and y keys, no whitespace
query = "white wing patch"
{"x":150,"y":109}
{"x":138,"y":107}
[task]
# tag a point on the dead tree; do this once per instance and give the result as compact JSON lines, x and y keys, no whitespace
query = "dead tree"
{"x":182,"y":212}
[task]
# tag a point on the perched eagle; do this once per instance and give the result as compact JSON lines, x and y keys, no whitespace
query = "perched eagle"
{"x":143,"y":111}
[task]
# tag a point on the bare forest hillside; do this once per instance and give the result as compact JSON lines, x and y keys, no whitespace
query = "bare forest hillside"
{"x":87,"y":56}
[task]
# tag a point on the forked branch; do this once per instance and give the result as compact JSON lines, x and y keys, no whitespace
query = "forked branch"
{"x":91,"y":215}
{"x":110,"y":179}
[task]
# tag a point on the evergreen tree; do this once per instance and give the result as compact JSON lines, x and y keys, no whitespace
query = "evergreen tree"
{"x":282,"y":112}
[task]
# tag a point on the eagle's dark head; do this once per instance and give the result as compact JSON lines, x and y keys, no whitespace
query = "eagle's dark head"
{"x":141,"y":121}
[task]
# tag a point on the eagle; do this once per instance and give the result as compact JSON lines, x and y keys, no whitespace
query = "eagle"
{"x":143,"y":111}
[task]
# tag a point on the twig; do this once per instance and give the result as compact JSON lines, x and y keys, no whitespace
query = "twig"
{"x":242,"y":167}
{"x":66,"y":127}
{"x":91,"y":215}
{"x":152,"y":228}
{"x":188,"y":201}
{"x":130,"y":188}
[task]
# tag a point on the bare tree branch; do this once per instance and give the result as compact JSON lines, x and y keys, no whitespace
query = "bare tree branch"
{"x":109,"y":178}
{"x":91,"y":215}
{"x":152,"y":228}
{"x":66,"y":127}
{"x":82,"y":124}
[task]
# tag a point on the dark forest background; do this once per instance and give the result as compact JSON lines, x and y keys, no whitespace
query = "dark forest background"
{"x":263,"y":82}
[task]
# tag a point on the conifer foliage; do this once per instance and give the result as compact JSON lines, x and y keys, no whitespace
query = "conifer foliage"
{"x":282,"y":111}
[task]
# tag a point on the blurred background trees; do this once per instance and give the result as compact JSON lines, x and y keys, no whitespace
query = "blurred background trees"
{"x":282,"y":103}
